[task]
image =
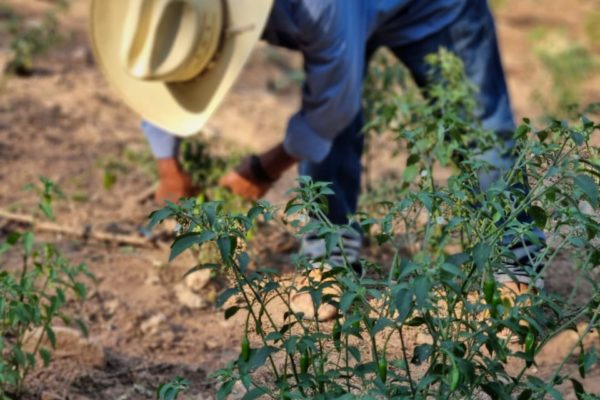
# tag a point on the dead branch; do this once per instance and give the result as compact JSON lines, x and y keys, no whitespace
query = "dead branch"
{"x":86,"y":232}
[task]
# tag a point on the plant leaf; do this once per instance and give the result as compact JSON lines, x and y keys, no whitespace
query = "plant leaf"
{"x":588,"y":187}
{"x":187,"y":240}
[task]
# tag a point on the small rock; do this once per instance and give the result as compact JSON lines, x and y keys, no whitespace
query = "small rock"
{"x":188,"y":298}
{"x":79,"y":53}
{"x":50,"y":396}
{"x":152,"y":280}
{"x":200,"y":396}
{"x":423,"y":338}
{"x":212,"y":344}
{"x":151,"y":325}
{"x":198,"y":280}
{"x":110,"y":307}
{"x":586,"y":208}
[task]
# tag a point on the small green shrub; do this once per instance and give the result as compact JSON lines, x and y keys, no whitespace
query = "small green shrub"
{"x":34,"y":298}
{"x":592,"y":28}
{"x":206,"y":167}
{"x":30,"y":41}
{"x":569,"y":65}
{"x":171,"y":390}
{"x":451,"y":296}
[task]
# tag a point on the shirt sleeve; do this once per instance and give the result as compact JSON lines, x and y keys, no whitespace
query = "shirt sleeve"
{"x":334,"y":56}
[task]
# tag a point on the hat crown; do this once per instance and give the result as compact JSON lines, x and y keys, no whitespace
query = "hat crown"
{"x":171,"y":40}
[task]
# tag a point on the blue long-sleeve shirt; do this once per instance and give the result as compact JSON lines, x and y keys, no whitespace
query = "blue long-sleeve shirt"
{"x":333,"y":36}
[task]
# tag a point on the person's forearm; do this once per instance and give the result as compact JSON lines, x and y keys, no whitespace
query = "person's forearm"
{"x":276,"y":161}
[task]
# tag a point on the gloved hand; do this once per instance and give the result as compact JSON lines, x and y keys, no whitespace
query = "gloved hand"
{"x":255,"y":175}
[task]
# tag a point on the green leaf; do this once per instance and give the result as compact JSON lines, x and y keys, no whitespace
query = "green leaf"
{"x":422,"y":288}
{"x":231,"y":311}
{"x":578,"y":388}
{"x":495,"y":390}
{"x":403,"y":302}
{"x":539,"y":216}
{"x":354,"y":352}
{"x":586,"y":361}
{"x":458,"y":259}
{"x":167,"y":392}
{"x":158,"y":216}
{"x":226,"y":295}
{"x":200,"y":268}
{"x":481,"y":254}
{"x":588,"y":187}
{"x":225,"y":389}
{"x":452,"y":269}
{"x":577,"y":138}
{"x":255,"y":394}
{"x":522,"y":131}
{"x":186,"y":241}
{"x":410,"y":173}
{"x":525,"y":395}
{"x":454,"y":376}
{"x":259,"y":356}
{"x":380,"y":325}
{"x":554,"y":393}
{"x":331,"y":241}
{"x":80,"y":290}
{"x":109,"y":179}
{"x":347,"y":300}
{"x":82,"y":327}
{"x":254,"y":212}
{"x":51,"y":336}
{"x":28,"y":240}
{"x":226,"y":247}
{"x":211,"y":209}
{"x":46,"y":208}
{"x":45,"y":355}
{"x":19,"y":356}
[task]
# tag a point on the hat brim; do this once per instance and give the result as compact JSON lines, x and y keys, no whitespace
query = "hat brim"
{"x":181,"y":108}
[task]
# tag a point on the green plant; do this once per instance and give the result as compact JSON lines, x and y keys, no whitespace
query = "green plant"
{"x":110,"y":173}
{"x":30,"y":41}
{"x":206,"y":167}
{"x":497,"y":5}
{"x":592,"y":28}
{"x":569,"y":64}
{"x":33,"y":298}
{"x":366,"y":353}
{"x":171,"y":390}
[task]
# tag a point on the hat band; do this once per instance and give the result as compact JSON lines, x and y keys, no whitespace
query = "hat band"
{"x":172,"y":40}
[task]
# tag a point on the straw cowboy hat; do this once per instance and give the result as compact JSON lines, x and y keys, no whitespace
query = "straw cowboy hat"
{"x":173,"y":61}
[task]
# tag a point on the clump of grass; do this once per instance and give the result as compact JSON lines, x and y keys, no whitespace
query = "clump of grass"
{"x":569,"y":65}
{"x":33,"y":298}
{"x":30,"y":40}
{"x":592,"y":28}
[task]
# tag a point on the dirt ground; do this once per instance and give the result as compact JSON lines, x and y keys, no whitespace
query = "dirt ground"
{"x":146,"y":323}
